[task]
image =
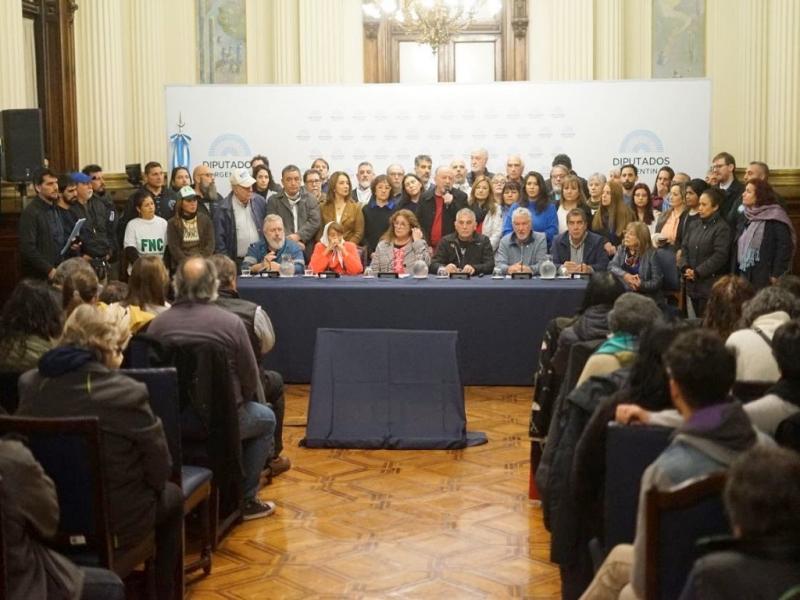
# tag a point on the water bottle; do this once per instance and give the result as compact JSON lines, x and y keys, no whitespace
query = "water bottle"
{"x":287,"y":266}
{"x":547,"y":269}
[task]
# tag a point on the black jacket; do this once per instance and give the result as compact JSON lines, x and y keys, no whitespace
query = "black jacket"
{"x":476,"y":252}
{"x":94,"y":233}
{"x":39,"y":251}
{"x":427,"y":211}
{"x":706,"y":249}
{"x":733,"y":198}
{"x":594,"y":254}
{"x":775,"y":254}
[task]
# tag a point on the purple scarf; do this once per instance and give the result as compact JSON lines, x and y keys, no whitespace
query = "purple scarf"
{"x":749,"y":245}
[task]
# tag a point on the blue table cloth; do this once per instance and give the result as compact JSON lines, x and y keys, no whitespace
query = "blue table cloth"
{"x":499,"y":321}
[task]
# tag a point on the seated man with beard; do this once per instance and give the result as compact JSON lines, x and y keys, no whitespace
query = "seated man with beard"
{"x":267,"y":255}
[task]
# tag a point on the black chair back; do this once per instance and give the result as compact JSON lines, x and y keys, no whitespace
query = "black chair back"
{"x":162,"y":387}
{"x":629,"y":451}
{"x":69,"y":451}
{"x":788,"y":432}
{"x":676,"y":519}
{"x":9,"y":392}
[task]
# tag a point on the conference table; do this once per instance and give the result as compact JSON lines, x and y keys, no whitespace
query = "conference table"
{"x":500,"y":322}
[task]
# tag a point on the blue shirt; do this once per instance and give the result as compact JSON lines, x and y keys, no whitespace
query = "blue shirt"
{"x":257,"y":251}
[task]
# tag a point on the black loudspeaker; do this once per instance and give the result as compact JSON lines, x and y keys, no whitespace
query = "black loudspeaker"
{"x":22,"y":143}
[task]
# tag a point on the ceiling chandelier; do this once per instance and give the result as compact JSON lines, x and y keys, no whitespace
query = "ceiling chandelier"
{"x":432,"y":22}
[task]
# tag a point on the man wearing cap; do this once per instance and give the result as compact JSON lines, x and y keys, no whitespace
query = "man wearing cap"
{"x":96,"y":243}
{"x":239,"y":217}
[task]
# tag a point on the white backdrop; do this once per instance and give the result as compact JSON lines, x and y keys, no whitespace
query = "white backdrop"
{"x":599,"y":124}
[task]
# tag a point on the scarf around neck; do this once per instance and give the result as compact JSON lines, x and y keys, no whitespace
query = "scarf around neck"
{"x":749,"y":244}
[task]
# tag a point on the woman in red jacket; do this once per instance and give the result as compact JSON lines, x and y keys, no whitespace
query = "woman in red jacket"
{"x":332,"y":253}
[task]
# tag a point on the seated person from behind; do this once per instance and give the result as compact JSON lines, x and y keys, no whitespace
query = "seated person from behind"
{"x":523,"y":249}
{"x":79,"y":378}
{"x":464,"y":251}
{"x":401,"y":246}
{"x":30,"y":515}
{"x":763,"y":558}
{"x":332,"y":253}
{"x":267,"y":255}
{"x":715,"y":431}
{"x":578,"y":249}
{"x":30,"y":323}
{"x":194,"y":317}
{"x":635,"y":263}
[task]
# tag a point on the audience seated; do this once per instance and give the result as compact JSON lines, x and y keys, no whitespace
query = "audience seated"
{"x":631,"y":314}
{"x":82,"y":287}
{"x":762,"y":560}
{"x":262,"y":338}
{"x":714,"y":433}
{"x":333,"y":253}
{"x":276,"y":247}
{"x":30,"y":515}
{"x":522,"y":250}
{"x":464,"y":251}
{"x":751,"y":345}
{"x":577,"y":248}
{"x":30,"y":323}
{"x":782,"y":399}
{"x":113,"y":291}
{"x":193,"y":316}
{"x":724,"y":309}
{"x":79,"y":378}
{"x":401,"y":246}
{"x":635,"y":263}
{"x":146,"y":296}
{"x":487,"y":212}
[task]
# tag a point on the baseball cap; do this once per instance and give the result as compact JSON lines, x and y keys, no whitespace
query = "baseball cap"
{"x":242,"y":177}
{"x":79,"y":177}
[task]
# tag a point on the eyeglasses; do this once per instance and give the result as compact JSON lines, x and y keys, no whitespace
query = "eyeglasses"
{"x":718,"y":166}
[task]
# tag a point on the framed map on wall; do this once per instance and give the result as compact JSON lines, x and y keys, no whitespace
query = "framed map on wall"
{"x":679,"y":38}
{"x":221,"y":41}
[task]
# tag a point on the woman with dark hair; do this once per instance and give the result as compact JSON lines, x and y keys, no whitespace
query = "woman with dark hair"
{"x":333,"y":253}
{"x":694,"y":189}
{"x":661,"y":188}
{"x":82,"y":287}
{"x":263,"y":177}
{"x":189,"y":232}
{"x":536,"y":200}
{"x":612,"y":217}
{"x":591,"y":322}
{"x":339,"y":207}
{"x":411,"y":193}
{"x":377,"y":212}
{"x":643,"y":210}
{"x":178,"y":178}
{"x":487,"y":212}
{"x":401,"y":246}
{"x":258,"y":160}
{"x":725,"y":303}
{"x":765,"y":236}
{"x":511,"y":193}
{"x":635,"y":263}
{"x":30,"y":323}
{"x":705,"y":250}
{"x":146,"y":235}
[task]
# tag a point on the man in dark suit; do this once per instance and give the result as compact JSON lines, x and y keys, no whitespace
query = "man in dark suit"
{"x":438,"y":206}
{"x":724,"y":165}
{"x":578,"y":249}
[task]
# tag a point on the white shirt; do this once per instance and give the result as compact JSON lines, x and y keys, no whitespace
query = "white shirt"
{"x":363,"y":195}
{"x":246,"y":232}
{"x":149,"y":237}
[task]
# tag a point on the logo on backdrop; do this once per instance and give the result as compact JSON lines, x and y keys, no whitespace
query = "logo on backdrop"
{"x":227,"y":152}
{"x":643,"y":148}
{"x":181,"y":155}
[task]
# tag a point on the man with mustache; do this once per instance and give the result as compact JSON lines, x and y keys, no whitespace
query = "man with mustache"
{"x":267,"y":255}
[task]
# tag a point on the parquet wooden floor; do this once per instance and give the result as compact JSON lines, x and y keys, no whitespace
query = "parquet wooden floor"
{"x":397,"y":524}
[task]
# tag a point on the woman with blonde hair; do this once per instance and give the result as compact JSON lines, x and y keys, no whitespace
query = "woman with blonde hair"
{"x":147,"y":294}
{"x":401,"y":246}
{"x":571,"y":197}
{"x":671,"y":223}
{"x":487,"y":212}
{"x":612,"y":217}
{"x":340,"y":208}
{"x":635,"y":263}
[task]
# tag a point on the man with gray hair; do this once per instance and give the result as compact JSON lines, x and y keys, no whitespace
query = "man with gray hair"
{"x":268,"y":254}
{"x":477,"y":161}
{"x":362,"y":193}
{"x":522,"y":250}
{"x":464,"y":251}
{"x":194,"y":317}
{"x":262,"y":338}
{"x":438,"y":206}
{"x":395,"y":174}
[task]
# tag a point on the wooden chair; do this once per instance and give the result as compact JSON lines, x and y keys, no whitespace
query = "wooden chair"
{"x":195,"y":482}
{"x":70,"y":453}
{"x":675,"y":520}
